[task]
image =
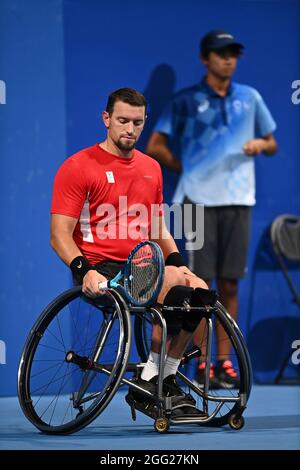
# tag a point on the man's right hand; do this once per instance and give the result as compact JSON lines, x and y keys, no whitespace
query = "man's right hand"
{"x":90,"y":283}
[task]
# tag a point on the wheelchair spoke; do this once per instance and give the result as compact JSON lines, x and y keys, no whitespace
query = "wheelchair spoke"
{"x":45,"y":370}
{"x":51,"y":387}
{"x":212,"y":394}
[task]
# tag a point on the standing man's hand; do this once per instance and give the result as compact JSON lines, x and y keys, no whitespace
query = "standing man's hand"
{"x":90,"y":283}
{"x":255,"y":147}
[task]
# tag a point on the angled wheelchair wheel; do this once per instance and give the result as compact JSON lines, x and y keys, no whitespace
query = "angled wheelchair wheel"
{"x":73,"y":361}
{"x":220,"y":402}
{"x":232,"y":401}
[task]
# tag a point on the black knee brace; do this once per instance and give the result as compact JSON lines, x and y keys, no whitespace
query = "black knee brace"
{"x":202,"y":297}
{"x":199,"y":298}
{"x":175,"y":298}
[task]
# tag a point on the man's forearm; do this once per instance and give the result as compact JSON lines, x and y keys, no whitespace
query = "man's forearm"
{"x":270,"y":146}
{"x":166,"y":242}
{"x":65,"y":247}
{"x":163,"y":155}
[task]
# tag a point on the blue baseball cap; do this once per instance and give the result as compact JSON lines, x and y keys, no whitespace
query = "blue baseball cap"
{"x":218,"y":39}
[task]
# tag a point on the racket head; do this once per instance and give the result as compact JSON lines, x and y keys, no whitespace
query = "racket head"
{"x":144,"y":273}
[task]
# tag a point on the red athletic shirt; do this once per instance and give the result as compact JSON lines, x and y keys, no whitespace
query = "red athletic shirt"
{"x":113,"y":199}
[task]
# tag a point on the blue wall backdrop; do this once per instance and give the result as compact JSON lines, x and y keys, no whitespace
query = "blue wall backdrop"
{"x":59,"y":61}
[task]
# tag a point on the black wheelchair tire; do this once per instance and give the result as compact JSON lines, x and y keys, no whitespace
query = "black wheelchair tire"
{"x":32,"y":341}
{"x":237,"y":339}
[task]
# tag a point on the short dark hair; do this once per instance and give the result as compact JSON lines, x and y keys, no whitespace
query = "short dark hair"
{"x":126,"y":95}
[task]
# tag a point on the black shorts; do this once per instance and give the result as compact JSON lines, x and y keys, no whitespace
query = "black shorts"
{"x":109,"y":269}
{"x":226,"y":238}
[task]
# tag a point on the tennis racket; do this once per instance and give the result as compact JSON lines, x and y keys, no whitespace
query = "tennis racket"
{"x":141,"y":278}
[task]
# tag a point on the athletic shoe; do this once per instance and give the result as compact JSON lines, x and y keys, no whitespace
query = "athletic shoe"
{"x":200,"y":376}
{"x":182,"y":403}
{"x":227,"y":375}
{"x":143,"y":403}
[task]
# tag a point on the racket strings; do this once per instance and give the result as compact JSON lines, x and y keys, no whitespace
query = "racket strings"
{"x":144,"y":274}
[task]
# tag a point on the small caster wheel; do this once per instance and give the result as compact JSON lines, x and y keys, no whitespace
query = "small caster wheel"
{"x":161,"y":425}
{"x":236,"y":422}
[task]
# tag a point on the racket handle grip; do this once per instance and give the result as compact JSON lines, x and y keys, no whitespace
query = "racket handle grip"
{"x":103,"y":285}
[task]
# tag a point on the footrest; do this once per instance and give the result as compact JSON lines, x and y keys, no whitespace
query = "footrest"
{"x":150,"y":409}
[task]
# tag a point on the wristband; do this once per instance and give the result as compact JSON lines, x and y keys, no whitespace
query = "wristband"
{"x":79,"y":267}
{"x":175,"y":259}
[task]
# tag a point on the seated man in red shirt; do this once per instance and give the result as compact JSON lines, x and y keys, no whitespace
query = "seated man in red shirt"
{"x":106,"y":199}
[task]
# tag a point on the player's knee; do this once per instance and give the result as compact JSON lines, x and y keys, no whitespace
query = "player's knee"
{"x":202,"y":284}
{"x":174,"y":276}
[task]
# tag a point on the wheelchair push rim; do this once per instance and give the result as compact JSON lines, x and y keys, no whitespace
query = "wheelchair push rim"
{"x":60,"y":396}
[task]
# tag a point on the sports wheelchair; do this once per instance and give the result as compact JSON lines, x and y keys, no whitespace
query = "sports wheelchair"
{"x":77,"y":355}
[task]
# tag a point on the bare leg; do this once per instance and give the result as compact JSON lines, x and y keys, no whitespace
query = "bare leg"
{"x":156,"y":338}
{"x":228,"y":291}
{"x":228,"y":297}
{"x":177,"y":345}
{"x":199,"y":334}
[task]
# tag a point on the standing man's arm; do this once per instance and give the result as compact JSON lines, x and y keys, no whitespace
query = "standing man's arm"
{"x":61,"y":240}
{"x":264,"y":126}
{"x":158,"y":148}
{"x":266,"y":145}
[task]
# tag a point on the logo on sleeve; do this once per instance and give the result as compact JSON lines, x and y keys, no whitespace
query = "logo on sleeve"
{"x":110,"y":176}
{"x":237,"y":106}
{"x":203,"y":106}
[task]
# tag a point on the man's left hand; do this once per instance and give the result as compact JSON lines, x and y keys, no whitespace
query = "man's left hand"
{"x":254,"y":147}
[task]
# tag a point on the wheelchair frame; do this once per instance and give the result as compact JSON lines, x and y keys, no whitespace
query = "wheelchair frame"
{"x":116,"y":322}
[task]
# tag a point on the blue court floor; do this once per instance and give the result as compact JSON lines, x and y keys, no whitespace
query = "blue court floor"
{"x":272,"y":422}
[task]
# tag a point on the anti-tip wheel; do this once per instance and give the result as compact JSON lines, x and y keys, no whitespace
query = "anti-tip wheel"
{"x":236,"y":422}
{"x":161,"y":425}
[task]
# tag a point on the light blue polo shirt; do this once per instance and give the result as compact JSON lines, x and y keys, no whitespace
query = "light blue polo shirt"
{"x":212,"y":132}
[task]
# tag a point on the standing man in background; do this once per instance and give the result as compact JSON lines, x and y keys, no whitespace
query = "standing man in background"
{"x":222,"y":126}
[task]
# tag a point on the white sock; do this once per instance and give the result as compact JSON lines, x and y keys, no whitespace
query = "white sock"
{"x":151,"y":367}
{"x":171,"y":366}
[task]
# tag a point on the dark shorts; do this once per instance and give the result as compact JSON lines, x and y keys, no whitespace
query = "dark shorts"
{"x":226,"y":238}
{"x":109,"y":269}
